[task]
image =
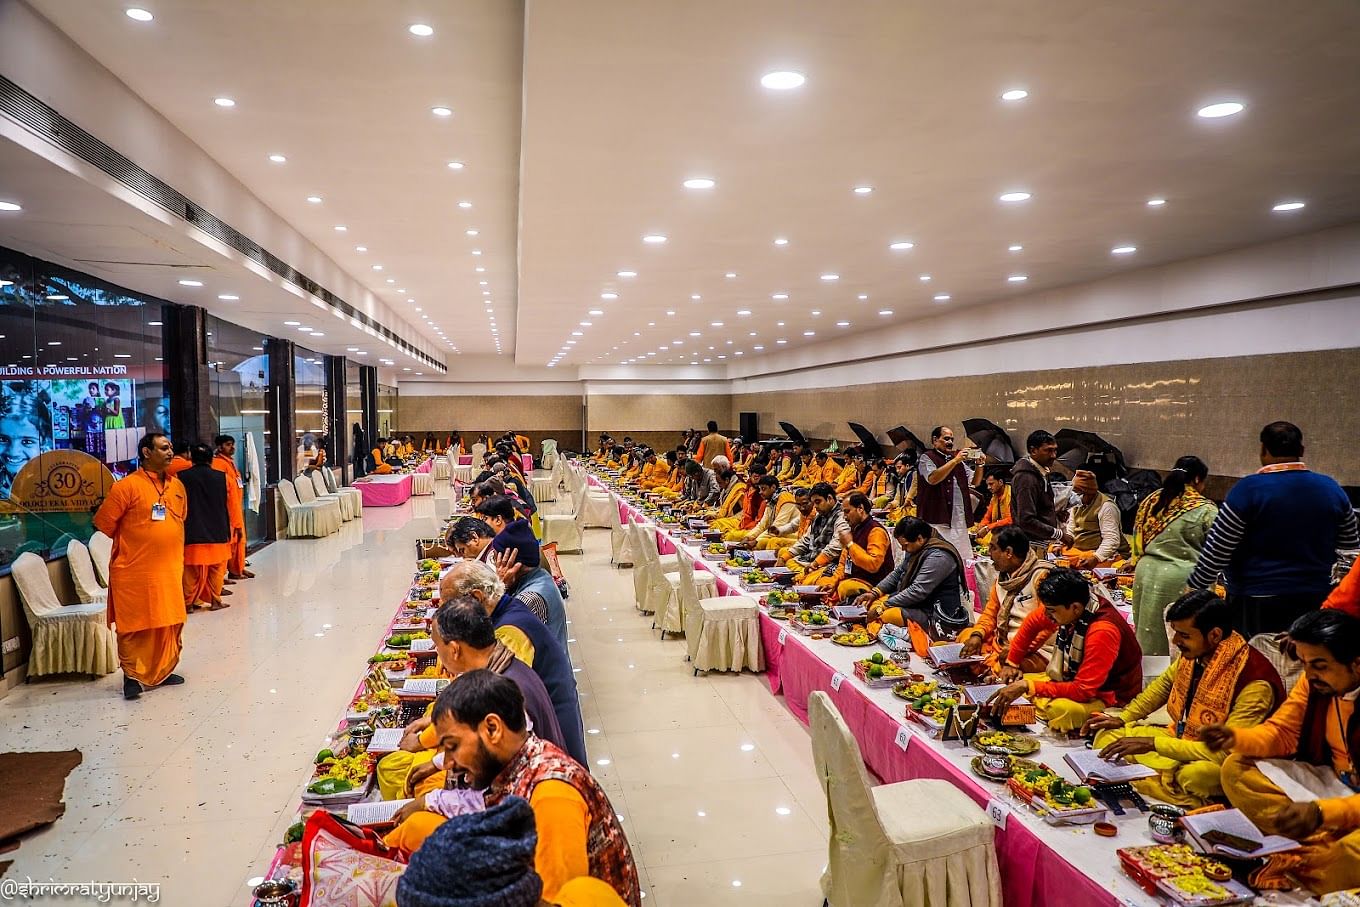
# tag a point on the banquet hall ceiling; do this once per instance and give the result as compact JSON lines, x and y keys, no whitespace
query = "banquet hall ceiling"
{"x":576,"y":125}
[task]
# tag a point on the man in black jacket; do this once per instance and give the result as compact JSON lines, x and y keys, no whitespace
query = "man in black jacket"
{"x":207,"y":531}
{"x":1032,"y":507}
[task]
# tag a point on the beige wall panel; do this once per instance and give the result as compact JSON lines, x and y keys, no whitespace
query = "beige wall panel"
{"x":538,"y":417}
{"x":671,"y":413}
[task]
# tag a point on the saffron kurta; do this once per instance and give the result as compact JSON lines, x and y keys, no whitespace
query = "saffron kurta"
{"x":236,"y":512}
{"x":146,"y":572}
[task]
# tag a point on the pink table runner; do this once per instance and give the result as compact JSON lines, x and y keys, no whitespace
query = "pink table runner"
{"x":385,"y":491}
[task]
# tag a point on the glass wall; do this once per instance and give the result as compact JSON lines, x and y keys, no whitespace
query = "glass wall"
{"x":310,"y":405}
{"x":240,"y":399}
{"x":354,"y":416}
{"x":82,"y":378}
{"x":387,"y":410}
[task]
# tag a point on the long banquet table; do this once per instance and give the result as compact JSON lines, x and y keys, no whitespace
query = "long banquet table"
{"x":385,"y":491}
{"x":1041,"y":865}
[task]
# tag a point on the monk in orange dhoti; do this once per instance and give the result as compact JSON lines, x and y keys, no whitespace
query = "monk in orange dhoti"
{"x":144,"y":515}
{"x":207,"y":531}
{"x":225,"y":462}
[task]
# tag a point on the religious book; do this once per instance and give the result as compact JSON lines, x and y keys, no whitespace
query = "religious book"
{"x":376,"y":813}
{"x":422,"y":645}
{"x":425,"y":686}
{"x":950,"y":655}
{"x":386,"y":740}
{"x":1090,"y":767}
{"x":1229,"y":833}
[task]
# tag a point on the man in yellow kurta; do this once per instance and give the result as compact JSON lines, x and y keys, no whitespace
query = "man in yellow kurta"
{"x":1218,"y":678}
{"x":778,"y":538}
{"x":732,"y":494}
{"x":144,"y":515}
{"x":778,"y":520}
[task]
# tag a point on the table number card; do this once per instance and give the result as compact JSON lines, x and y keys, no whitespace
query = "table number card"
{"x":836,"y":680}
{"x":783,"y":635}
{"x":903,"y":737}
{"x":998,"y":811}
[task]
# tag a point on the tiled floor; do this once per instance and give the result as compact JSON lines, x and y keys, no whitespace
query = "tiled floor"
{"x":192,"y":786}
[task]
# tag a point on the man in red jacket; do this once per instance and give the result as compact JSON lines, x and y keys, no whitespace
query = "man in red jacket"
{"x":1097,"y":662}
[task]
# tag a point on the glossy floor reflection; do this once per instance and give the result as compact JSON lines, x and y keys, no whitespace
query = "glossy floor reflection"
{"x":192,"y":786}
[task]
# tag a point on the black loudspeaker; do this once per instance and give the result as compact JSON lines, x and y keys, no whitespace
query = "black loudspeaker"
{"x":750,"y":426}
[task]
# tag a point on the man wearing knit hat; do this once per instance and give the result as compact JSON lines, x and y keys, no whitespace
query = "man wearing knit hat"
{"x":482,"y":730}
{"x":517,"y":558}
{"x":485,"y":858}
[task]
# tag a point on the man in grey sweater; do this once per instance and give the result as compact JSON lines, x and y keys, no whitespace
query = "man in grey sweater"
{"x":700,"y":484}
{"x":1032,"y":507}
{"x":820,"y":546}
{"x":926,"y":587}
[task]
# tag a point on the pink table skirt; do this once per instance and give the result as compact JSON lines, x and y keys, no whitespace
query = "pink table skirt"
{"x":385,"y":494}
{"x":427,"y":466}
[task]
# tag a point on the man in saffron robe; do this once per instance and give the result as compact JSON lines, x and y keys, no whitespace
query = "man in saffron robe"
{"x":225,"y":462}
{"x":207,"y":531}
{"x":144,"y":515}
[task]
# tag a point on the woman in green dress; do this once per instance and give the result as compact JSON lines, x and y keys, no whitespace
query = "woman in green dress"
{"x":1168,"y":534}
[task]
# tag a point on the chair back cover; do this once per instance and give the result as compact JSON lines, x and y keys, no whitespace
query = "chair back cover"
{"x":82,"y":573}
{"x":35,"y":586}
{"x":549,"y":459}
{"x":101,"y":552}
{"x":318,"y":484}
{"x":289,"y":493}
{"x":304,"y":489}
{"x":328,"y":480}
{"x":860,"y":858}
{"x":478,"y":451}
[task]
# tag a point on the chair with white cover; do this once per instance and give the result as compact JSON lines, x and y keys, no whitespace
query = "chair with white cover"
{"x":88,"y":587}
{"x":689,"y":587}
{"x":659,"y":588}
{"x":67,"y":639}
{"x":101,"y":552}
{"x":478,"y":451}
{"x":442,"y":469}
{"x":722,"y":633}
{"x":323,"y":494}
{"x":594,"y":508}
{"x":920,"y":843}
{"x":621,"y":547}
{"x":563,"y":529}
{"x":307,"y":520}
{"x":543,"y":488}
{"x":331,"y":478}
{"x":306,"y":493}
{"x":549,"y":459}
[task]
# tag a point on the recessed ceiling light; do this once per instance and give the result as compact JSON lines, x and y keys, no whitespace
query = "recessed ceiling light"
{"x":695,"y":296}
{"x":700,"y":182}
{"x":596,"y":312}
{"x":863,"y":295}
{"x":757,"y":347}
{"x":314,"y":199}
{"x":779,"y":324}
{"x":318,"y":334}
{"x":229,"y":297}
{"x":1014,"y":196}
{"x":782,"y":80}
{"x":863,"y":190}
{"x":191,"y":283}
{"x":715,"y":324}
{"x":479,"y":269}
{"x":1015,"y":248}
{"x":743,"y":312}
{"x":830,"y":277}
{"x":695,"y":333}
{"x":54,"y":343}
{"x":1123,"y":250}
{"x":885,"y":311}
{"x":628,"y":273}
{"x":779,"y":296}
{"x":224,"y":102}
{"x":609,"y":295}
{"x":140,"y":15}
{"x":278,"y":158}
{"x":586,"y":324}
{"x":1014,"y":94}
{"x":361,"y":248}
{"x":292,"y":324}
{"x":391,"y":280}
{"x":1288,"y":206}
{"x":377,"y":267}
{"x":655,"y":239}
{"x":781,"y":241}
{"x":476,"y":251}
{"x":781,"y":340}
{"x":421,"y":30}
{"x":1156,"y":202}
{"x":816,"y":313}
{"x":1221,"y":109}
{"x":470,"y":232}
{"x":341,"y":228}
{"x":351,"y":349}
{"x":942,"y":297}
{"x":465,"y":204}
{"x":901,"y":246}
{"x":441,"y":111}
{"x":1018,"y":278}
{"x":925,"y":278}
{"x":809,"y":333}
{"x":670,"y":311}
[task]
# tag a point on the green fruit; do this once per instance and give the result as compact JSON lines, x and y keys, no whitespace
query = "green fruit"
{"x":330,"y":786}
{"x":922,"y":702}
{"x":323,"y":756}
{"x":875,"y":672}
{"x":1082,"y":795}
{"x":294,"y":833}
{"x":877,"y":658}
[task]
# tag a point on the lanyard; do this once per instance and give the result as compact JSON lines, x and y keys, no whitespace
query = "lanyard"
{"x":160,"y":491}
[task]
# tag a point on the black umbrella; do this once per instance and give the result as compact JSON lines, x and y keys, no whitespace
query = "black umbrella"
{"x":1088,"y":450}
{"x":993,"y":440}
{"x":866,"y":439}
{"x":904,"y":440}
{"x":792,"y":431}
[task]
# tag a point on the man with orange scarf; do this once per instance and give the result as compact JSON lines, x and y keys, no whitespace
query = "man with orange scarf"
{"x":1218,"y":678}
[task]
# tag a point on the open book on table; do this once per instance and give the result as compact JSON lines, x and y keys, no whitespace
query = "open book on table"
{"x":1090,"y":767}
{"x":1229,"y":833}
{"x":950,"y":655}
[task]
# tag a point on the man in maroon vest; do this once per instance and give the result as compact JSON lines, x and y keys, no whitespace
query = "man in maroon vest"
{"x":866,"y":550}
{"x":943,"y":498}
{"x":1097,"y":662}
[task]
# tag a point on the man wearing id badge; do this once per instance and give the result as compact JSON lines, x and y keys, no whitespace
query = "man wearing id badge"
{"x":144,"y":515}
